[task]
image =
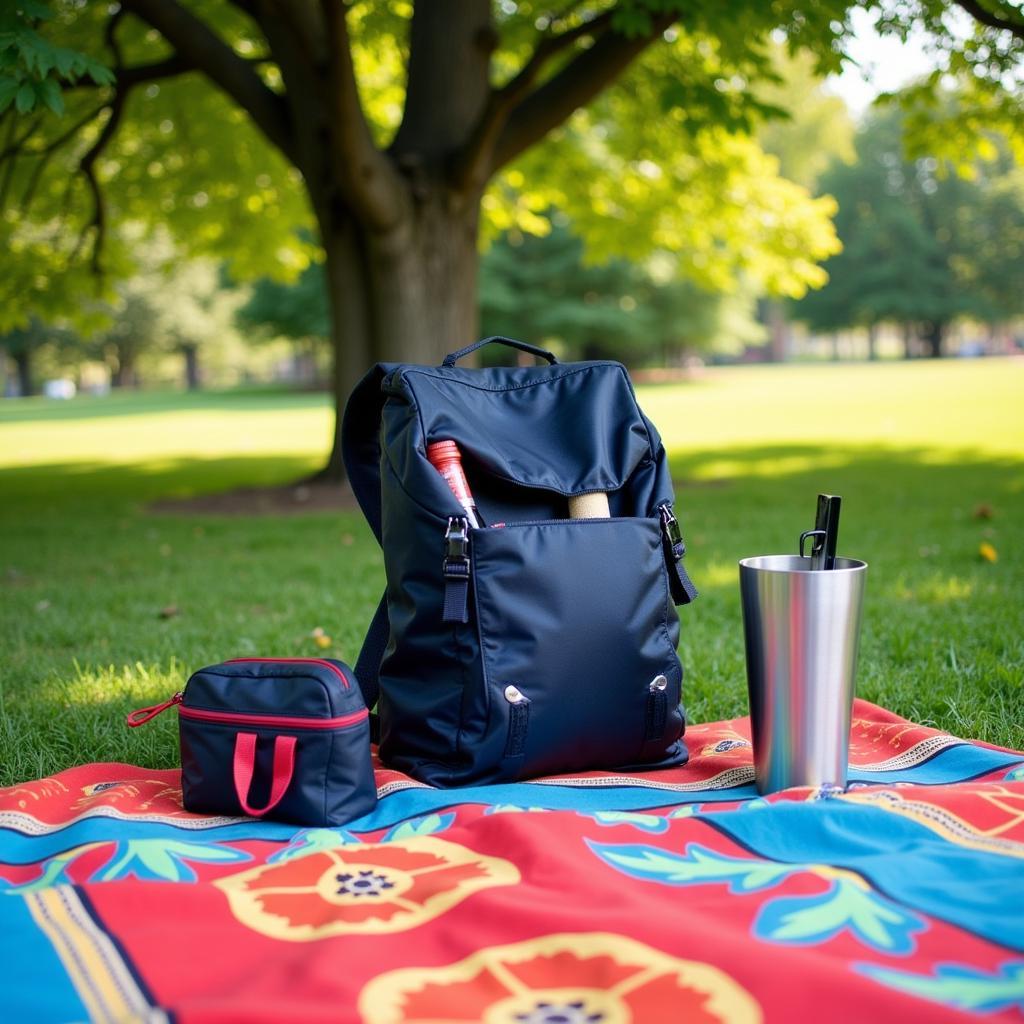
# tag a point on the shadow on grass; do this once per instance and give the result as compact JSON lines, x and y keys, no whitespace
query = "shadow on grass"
{"x":43,"y":410}
{"x":891,"y":492}
{"x":60,"y":485}
{"x":733,"y":500}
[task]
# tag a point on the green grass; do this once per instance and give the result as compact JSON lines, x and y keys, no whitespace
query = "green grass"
{"x":85,"y":569}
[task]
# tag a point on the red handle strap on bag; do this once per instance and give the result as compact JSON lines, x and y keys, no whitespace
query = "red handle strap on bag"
{"x":245,"y":763}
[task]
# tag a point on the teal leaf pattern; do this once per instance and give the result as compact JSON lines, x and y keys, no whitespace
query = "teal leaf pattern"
{"x":696,"y":866}
{"x":54,"y":871}
{"x":686,"y":811}
{"x":165,"y":860}
{"x":429,"y":825}
{"x":313,"y":840}
{"x":847,"y":905}
{"x":958,"y":985}
{"x":514,"y":809}
{"x":644,"y":822}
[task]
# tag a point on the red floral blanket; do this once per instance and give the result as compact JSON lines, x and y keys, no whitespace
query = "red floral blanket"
{"x":594,"y":899}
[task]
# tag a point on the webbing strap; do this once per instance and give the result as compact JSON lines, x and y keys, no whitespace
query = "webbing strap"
{"x":360,"y":449}
{"x":682,"y":587}
{"x":244,"y":765}
{"x":360,"y":444}
{"x":367,"y":666}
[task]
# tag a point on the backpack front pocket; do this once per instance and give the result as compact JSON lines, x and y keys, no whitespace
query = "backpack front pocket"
{"x":578,"y":638}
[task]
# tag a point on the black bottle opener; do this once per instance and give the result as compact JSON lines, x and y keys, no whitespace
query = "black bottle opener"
{"x":825,"y":533}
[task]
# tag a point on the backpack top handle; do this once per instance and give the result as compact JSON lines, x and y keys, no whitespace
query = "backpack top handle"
{"x":453,"y":357}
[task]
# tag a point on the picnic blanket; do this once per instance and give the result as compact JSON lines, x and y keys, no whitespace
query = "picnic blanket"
{"x":592,"y":899}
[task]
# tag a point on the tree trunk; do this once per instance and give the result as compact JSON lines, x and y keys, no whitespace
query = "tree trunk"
{"x":23,"y":365}
{"x":933,"y":334}
{"x":406,"y":295}
{"x":908,"y":334}
{"x":123,"y":374}
{"x":191,"y":354}
{"x":778,"y":327}
{"x":873,"y":342}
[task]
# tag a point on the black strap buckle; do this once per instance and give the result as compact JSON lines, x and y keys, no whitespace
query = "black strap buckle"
{"x":456,"y":549}
{"x":670,"y":525}
{"x":456,"y":570}
{"x":683,"y":590}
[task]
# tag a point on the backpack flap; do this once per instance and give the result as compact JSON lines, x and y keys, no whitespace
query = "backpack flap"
{"x":568,"y":429}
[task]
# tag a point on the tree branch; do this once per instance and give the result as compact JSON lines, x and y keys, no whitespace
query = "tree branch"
{"x":472,"y":166}
{"x":59,"y":141}
{"x":370,"y":185}
{"x":574,"y":86}
{"x":196,"y":44}
{"x":991,"y":19}
{"x":143,"y":73}
{"x":86,"y":167}
{"x":13,"y":144}
{"x":8,"y":172}
{"x":44,"y":154}
{"x":248,"y":6}
{"x":550,"y":45}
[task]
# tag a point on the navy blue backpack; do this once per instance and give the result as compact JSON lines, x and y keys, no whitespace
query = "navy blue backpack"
{"x":536,"y":643}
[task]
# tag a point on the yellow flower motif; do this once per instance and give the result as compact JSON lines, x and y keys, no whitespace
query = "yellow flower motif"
{"x":361,"y":888}
{"x":988,"y":552}
{"x":580,"y":978}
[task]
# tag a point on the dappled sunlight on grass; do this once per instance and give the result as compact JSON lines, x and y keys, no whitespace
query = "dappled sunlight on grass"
{"x":937,"y":589}
{"x":725,"y":468}
{"x":715,"y":574}
{"x":151,"y":479}
{"x":98,"y":685}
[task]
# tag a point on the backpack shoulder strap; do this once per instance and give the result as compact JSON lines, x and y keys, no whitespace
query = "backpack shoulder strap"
{"x":360,"y":449}
{"x":360,"y":444}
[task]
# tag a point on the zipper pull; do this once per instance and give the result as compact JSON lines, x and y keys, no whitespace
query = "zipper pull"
{"x":518,"y":721}
{"x":143,"y":715}
{"x":657,"y":708}
{"x":455,"y":568}
{"x":683,"y":590}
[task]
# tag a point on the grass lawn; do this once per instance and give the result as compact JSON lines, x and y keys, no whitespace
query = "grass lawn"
{"x":929,"y":459}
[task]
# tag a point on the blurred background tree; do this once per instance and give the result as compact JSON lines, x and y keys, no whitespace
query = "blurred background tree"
{"x":398,"y":134}
{"x":643,"y":314}
{"x":169,"y":307}
{"x":297,"y":311}
{"x":22,"y":344}
{"x":921,"y":245}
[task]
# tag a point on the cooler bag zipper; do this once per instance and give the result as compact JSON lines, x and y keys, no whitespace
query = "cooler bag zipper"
{"x":269,"y":721}
{"x":143,"y":715}
{"x":295,"y":661}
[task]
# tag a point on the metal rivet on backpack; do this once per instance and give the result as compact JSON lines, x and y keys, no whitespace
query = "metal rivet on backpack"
{"x":513,"y":695}
{"x":658,"y":683}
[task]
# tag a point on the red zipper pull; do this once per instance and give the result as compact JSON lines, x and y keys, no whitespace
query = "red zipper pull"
{"x":143,"y":715}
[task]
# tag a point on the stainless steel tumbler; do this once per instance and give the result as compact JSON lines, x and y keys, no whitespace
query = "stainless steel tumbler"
{"x":801,"y":628}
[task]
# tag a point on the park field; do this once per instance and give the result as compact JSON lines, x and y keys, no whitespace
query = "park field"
{"x":107,"y":604}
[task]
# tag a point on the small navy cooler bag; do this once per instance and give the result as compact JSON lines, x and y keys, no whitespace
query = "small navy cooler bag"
{"x":280,"y":738}
{"x":537,"y":643}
